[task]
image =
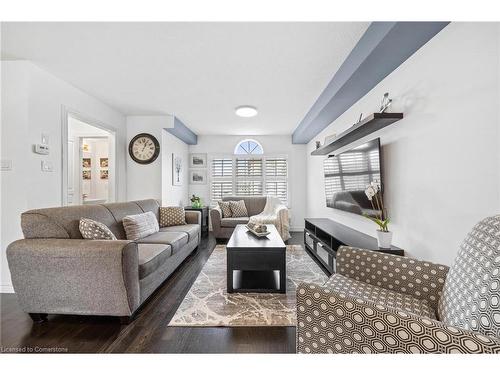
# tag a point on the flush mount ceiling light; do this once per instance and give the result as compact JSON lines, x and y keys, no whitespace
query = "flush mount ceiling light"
{"x":246,"y":111}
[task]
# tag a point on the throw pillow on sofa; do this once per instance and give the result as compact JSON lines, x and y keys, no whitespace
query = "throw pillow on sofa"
{"x":94,"y":230}
{"x":140,"y":226}
{"x":238,"y":208}
{"x":170,"y":216}
{"x":226,"y":209}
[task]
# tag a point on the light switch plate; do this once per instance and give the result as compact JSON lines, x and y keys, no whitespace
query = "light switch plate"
{"x":45,"y":139}
{"x":41,"y":149}
{"x":5,"y":165}
{"x":47,"y":166}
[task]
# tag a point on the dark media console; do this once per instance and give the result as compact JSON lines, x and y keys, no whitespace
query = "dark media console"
{"x":322,"y":238}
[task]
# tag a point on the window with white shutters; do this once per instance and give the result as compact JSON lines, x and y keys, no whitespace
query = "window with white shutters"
{"x":249,"y":176}
{"x":276,"y":176}
{"x":221,"y":178}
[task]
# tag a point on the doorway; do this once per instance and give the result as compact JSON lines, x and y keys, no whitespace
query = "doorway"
{"x":89,"y":170}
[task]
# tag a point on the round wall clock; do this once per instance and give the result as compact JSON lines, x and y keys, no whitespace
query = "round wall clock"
{"x":144,"y":148}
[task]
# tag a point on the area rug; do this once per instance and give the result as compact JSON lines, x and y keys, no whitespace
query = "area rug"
{"x":208,"y":304}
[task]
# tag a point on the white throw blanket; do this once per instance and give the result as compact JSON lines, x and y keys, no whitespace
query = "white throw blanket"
{"x":274,"y":213}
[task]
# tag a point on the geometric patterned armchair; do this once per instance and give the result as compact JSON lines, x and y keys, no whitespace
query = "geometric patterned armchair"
{"x":380,"y":303}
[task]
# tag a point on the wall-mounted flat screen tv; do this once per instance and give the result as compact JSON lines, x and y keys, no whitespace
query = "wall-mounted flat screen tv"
{"x":349,"y":173}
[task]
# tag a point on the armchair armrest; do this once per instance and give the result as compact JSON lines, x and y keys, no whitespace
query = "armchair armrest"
{"x":193,"y":217}
{"x":331,"y":322}
{"x":72,"y":276}
{"x":423,"y":280}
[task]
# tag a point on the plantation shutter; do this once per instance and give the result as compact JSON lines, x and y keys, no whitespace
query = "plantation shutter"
{"x":222,"y":178}
{"x":249,"y":176}
{"x":276,"y":178}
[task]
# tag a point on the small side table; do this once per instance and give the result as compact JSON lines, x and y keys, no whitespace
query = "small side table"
{"x":204,"y":216}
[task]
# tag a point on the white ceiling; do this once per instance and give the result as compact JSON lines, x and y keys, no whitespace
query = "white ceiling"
{"x":197,"y":71}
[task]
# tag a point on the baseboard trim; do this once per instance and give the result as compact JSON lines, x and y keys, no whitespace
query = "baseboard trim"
{"x":296,"y":229}
{"x":6,"y":288}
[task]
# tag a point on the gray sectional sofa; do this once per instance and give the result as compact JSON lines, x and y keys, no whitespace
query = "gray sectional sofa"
{"x":55,"y":271}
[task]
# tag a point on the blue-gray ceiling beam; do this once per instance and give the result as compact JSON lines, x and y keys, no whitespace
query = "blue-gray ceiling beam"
{"x":382,"y":48}
{"x":182,"y":132}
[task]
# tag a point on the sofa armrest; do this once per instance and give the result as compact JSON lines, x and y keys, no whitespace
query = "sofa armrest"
{"x":215,"y":218}
{"x":193,"y":217}
{"x":72,"y":276}
{"x":423,"y":280}
{"x":331,"y":322}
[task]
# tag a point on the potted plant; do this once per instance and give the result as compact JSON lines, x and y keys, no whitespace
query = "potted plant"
{"x":195,"y":201}
{"x":374,"y":194}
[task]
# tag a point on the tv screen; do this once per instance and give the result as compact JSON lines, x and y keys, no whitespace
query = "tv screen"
{"x":348,"y":174}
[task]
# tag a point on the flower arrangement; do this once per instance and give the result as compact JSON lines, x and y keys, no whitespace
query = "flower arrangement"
{"x":195,"y":201}
{"x":374,"y":195}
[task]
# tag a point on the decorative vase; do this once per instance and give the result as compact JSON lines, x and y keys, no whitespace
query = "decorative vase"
{"x":384,"y":239}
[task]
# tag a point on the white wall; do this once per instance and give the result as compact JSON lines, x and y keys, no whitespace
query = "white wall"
{"x":155,"y":180}
{"x":32,"y":104}
{"x":174,"y":195}
{"x":272,"y":144}
{"x":441,"y":162}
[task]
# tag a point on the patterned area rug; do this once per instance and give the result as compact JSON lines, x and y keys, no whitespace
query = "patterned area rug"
{"x":208,"y":304}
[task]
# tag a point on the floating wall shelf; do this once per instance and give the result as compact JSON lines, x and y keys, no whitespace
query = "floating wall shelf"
{"x":363,"y":128}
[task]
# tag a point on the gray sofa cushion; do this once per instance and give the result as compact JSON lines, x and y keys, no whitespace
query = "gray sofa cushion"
{"x":254,"y":205}
{"x":149,"y":205}
{"x":231,"y":222}
{"x":192,"y":230}
{"x":119,"y":211}
{"x":63,"y":222}
{"x":175,"y":239}
{"x":152,"y":257}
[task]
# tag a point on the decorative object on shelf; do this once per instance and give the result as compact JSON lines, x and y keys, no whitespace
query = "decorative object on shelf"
{"x":330,"y":138}
{"x":318,"y":144}
{"x":85,"y":147}
{"x":87,"y":175}
{"x":104,"y":163}
{"x":86,"y":163}
{"x":177,"y":170}
{"x":195,"y":202}
{"x":198,"y":177}
{"x":386,"y":103}
{"x":374,"y":194}
{"x":144,"y":148}
{"x":104,"y":174}
{"x":197,"y":160}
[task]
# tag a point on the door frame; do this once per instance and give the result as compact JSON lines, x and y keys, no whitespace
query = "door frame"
{"x":65,"y":113}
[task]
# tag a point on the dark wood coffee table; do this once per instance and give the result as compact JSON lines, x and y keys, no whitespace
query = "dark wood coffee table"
{"x":256,"y":265}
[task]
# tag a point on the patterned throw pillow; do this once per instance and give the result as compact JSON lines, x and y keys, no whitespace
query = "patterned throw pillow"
{"x":226,"y":209}
{"x":238,"y":208}
{"x":170,"y":216}
{"x":94,"y":230}
{"x":140,"y":226}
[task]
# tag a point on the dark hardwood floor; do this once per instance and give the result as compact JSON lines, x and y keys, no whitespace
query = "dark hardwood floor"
{"x":149,"y":332}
